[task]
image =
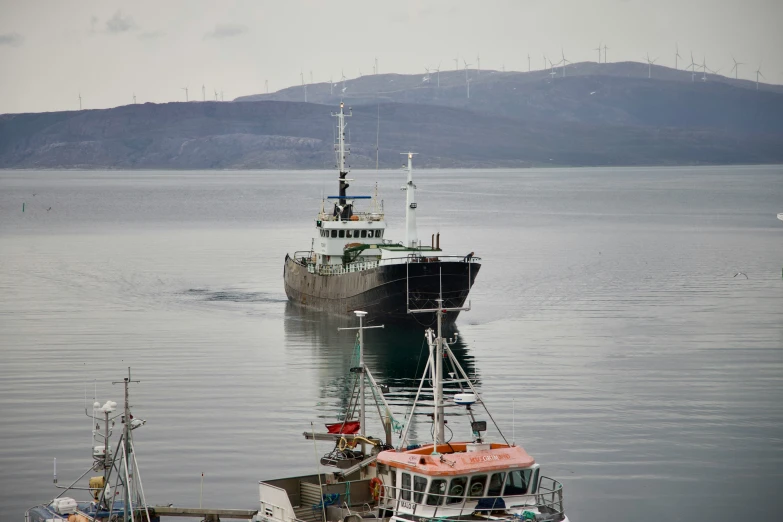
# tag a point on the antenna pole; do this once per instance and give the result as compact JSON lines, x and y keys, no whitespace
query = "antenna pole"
{"x":377,"y":135}
{"x":439,"y":420}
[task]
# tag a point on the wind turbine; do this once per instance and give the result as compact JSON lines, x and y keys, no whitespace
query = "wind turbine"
{"x":301,"y":75}
{"x":186,"y":93}
{"x":427,"y":75}
{"x":676,"y":55}
{"x":466,"y":68}
{"x":528,"y":62}
{"x":564,"y":62}
{"x":704,"y":68}
{"x":758,"y":73}
{"x":456,"y":63}
{"x":80,"y":98}
{"x":736,"y":67}
{"x":311,"y":76}
{"x":221,"y":96}
{"x":478,"y":64}
{"x":376,"y":65}
{"x":605,"y":48}
{"x":216,"y":95}
{"x":134,"y":98}
{"x":649,"y":65}
{"x":599,"y":52}
{"x":331,"y":86}
{"x":203,"y":93}
{"x":693,"y":68}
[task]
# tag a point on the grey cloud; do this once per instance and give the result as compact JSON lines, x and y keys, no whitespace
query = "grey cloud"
{"x":226,"y":31}
{"x":119,"y":23}
{"x":12,"y":39}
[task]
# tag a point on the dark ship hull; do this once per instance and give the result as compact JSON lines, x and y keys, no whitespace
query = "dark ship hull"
{"x":385,"y":292}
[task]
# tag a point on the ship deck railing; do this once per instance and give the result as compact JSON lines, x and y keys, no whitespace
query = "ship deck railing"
{"x":303,"y":258}
{"x":360,"y":216}
{"x":548,"y":499}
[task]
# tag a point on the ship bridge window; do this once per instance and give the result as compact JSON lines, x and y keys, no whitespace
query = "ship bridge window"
{"x":406,"y":486}
{"x":476,"y":488}
{"x":456,"y":490}
{"x":379,"y":233}
{"x":334,"y":233}
{"x":437,"y":492}
{"x":496,"y":484}
{"x":364,"y":233}
{"x":517,"y":482}
{"x":419,"y":487}
{"x":342,"y":233}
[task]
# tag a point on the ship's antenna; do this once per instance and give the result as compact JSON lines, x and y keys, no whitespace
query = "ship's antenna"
{"x":377,"y":139}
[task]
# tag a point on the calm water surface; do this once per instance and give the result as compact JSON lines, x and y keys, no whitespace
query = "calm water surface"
{"x":644,"y":375}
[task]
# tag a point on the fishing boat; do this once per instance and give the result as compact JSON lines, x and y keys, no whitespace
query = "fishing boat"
{"x":351,"y":264}
{"x":438,"y":479}
{"x":115,"y":492}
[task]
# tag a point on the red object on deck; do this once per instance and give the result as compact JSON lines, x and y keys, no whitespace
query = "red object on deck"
{"x":348,"y":428}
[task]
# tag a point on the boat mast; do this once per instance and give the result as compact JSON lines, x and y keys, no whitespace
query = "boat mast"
{"x":362,"y":372}
{"x":436,"y":345}
{"x":126,"y":448}
{"x":342,"y":150}
{"x":411,"y":237}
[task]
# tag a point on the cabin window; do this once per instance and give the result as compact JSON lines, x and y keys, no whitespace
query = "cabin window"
{"x":379,"y":233}
{"x":534,"y":482}
{"x":334,"y":233}
{"x":419,"y":487}
{"x":517,"y":482}
{"x":364,"y":233}
{"x":476,"y":488}
{"x":496,"y":484}
{"x":406,"y":486}
{"x":456,"y":490}
{"x":342,"y":233}
{"x":437,"y":492}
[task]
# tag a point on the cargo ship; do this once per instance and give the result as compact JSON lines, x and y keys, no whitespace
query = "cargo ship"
{"x":352,"y":265}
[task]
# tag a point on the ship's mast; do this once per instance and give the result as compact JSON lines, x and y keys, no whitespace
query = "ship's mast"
{"x":411,"y":236}
{"x":363,"y":372}
{"x":436,"y":348}
{"x":342,"y":149}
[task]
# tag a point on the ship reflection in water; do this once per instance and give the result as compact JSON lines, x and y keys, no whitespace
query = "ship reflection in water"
{"x":395,"y":354}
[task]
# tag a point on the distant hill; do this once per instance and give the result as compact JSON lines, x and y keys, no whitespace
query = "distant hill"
{"x":591,"y":93}
{"x":607,"y":114}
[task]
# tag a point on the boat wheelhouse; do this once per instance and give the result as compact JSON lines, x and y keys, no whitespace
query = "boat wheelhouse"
{"x":351,"y":265}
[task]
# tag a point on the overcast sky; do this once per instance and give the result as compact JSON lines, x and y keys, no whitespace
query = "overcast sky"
{"x":52,"y":50}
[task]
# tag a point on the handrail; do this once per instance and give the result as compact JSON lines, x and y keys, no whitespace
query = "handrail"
{"x":549,"y":498}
